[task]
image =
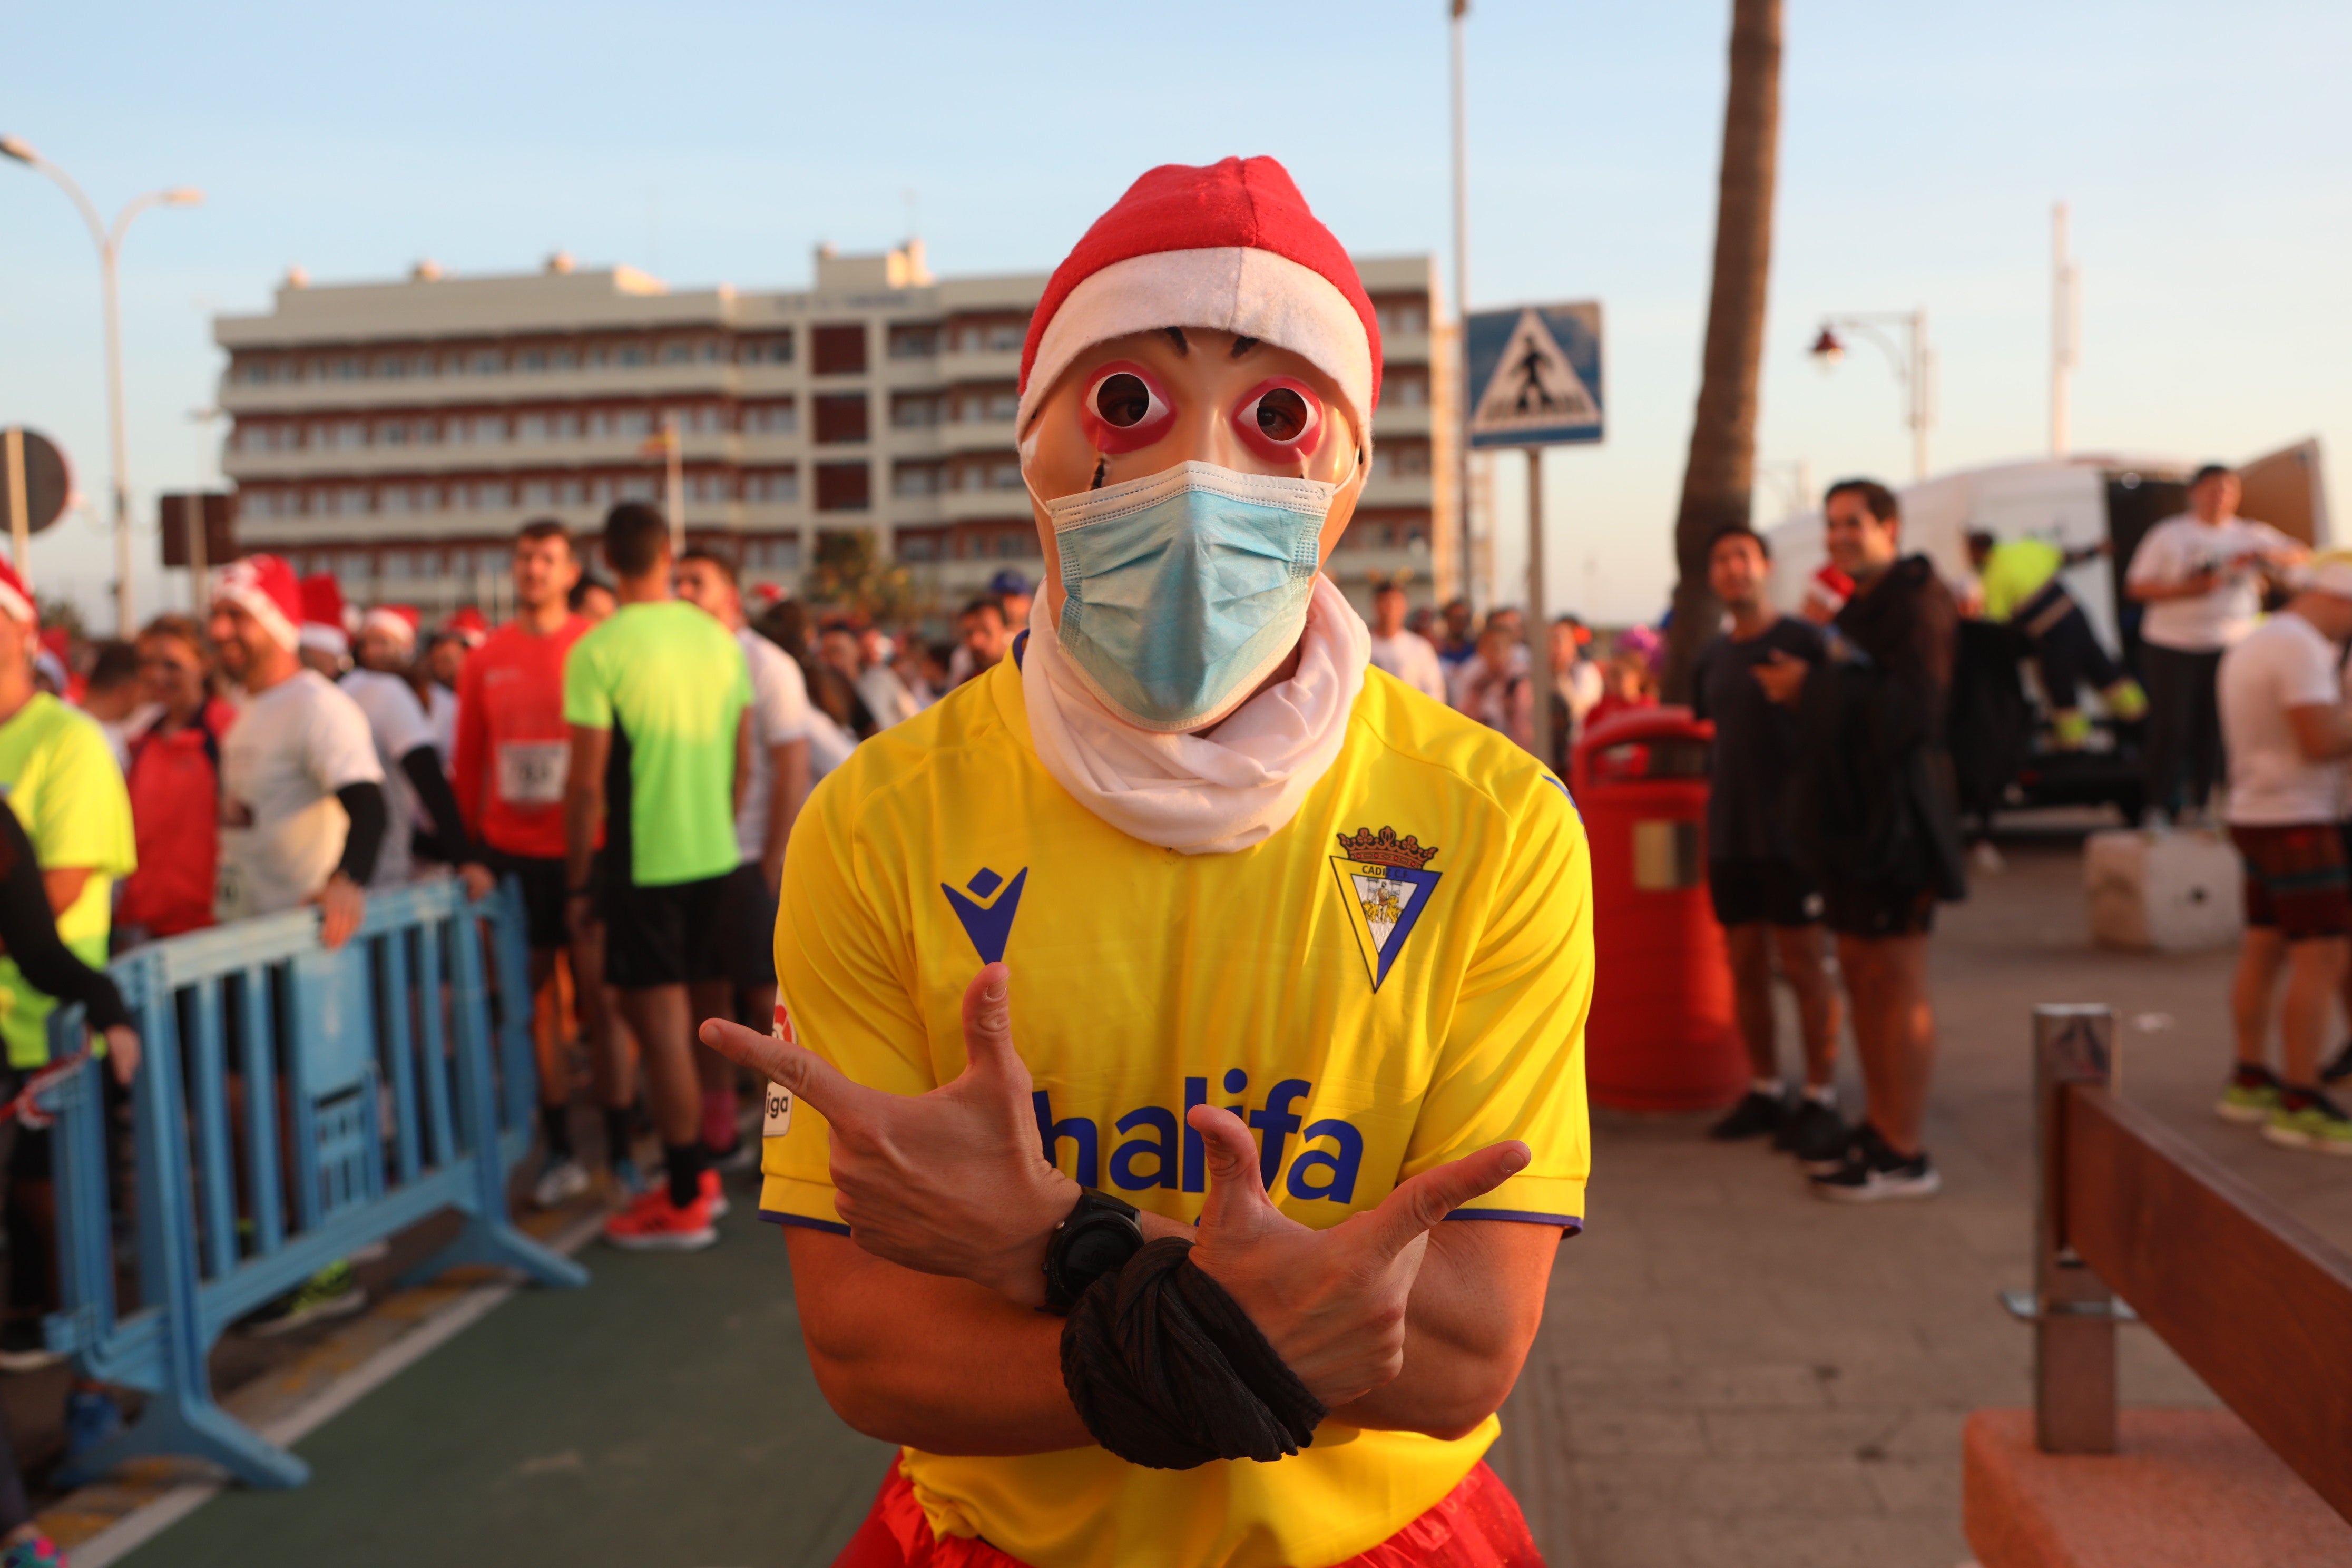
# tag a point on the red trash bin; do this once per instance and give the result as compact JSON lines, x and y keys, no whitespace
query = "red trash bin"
{"x":1663,"y":1034}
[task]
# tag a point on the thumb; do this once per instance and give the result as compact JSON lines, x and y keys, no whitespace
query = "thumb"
{"x":987,"y":1028}
{"x":1236,"y":1190}
{"x":1419,"y":1203}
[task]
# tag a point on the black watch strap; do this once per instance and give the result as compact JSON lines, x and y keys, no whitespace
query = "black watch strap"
{"x":1097,"y":1237}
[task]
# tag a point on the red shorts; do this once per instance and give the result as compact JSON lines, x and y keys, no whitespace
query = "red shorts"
{"x":1475,"y":1525}
{"x":2296,"y":879}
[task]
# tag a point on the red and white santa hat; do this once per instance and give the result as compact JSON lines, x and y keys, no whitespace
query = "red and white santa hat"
{"x":469,"y":626}
{"x":1232,"y":247}
{"x":397,"y":622}
{"x":263,"y":586}
{"x":15,"y":597}
{"x":324,"y":617}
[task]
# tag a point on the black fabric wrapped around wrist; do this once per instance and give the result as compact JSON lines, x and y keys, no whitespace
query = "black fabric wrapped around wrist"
{"x":1169,"y":1372}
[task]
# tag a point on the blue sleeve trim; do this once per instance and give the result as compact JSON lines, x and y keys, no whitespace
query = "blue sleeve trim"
{"x":1556,"y":785}
{"x":778,"y":1216}
{"x":1572,"y":1223}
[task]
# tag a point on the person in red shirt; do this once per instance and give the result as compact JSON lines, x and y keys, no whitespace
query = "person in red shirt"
{"x":511,"y":756}
{"x":174,"y":776}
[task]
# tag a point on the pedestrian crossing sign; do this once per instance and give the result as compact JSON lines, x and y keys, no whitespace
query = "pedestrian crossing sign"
{"x":1535,"y":375}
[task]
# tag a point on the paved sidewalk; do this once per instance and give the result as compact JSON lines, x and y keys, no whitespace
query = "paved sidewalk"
{"x":1732,"y":1372}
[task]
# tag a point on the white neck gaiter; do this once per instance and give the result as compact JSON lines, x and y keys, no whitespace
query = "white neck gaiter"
{"x":1201,"y":795}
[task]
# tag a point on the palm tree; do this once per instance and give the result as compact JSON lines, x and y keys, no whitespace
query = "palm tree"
{"x":1722,"y":467}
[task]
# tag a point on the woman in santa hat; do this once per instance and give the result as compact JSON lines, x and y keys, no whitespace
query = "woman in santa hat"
{"x":1131,"y":1240}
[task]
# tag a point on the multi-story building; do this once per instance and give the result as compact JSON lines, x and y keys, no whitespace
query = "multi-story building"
{"x":397,"y":434}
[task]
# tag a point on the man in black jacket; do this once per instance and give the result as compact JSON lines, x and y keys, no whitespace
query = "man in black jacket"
{"x":1873,"y":810}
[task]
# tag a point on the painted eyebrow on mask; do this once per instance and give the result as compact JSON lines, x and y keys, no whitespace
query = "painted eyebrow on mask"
{"x":1176,"y":336}
{"x":1242,"y":346}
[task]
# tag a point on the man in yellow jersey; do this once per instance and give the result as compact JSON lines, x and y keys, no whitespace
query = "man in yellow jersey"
{"x":1280,"y":961}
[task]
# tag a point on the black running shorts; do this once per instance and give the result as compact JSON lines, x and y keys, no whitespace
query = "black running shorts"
{"x":662,"y":935}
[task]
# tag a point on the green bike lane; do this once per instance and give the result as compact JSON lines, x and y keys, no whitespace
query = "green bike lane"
{"x":663,"y":1417}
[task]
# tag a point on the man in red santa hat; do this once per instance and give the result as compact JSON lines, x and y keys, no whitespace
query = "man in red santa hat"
{"x":1279,"y":964}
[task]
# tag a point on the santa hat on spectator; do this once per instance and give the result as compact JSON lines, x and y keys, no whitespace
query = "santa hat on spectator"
{"x":323,"y":614}
{"x":397,"y":622}
{"x":467,"y":626}
{"x":263,"y":586}
{"x":1232,"y":247}
{"x":56,"y":650}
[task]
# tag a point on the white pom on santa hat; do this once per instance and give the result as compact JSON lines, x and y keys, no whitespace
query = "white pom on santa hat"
{"x":1231,"y":247}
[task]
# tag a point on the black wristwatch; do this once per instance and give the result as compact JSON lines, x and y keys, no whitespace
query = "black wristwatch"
{"x":1097,"y":1237}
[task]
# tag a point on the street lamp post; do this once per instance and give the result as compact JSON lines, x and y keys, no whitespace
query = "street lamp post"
{"x":109,"y":250}
{"x":1914,"y":362}
{"x":1457,"y":10}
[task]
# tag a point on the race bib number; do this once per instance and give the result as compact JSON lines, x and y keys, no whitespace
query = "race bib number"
{"x":532,"y":773}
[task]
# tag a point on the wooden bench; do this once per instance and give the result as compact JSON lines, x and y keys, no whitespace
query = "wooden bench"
{"x":2255,"y":1302}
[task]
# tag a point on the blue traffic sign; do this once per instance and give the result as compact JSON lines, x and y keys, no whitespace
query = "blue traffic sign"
{"x":1535,"y":375}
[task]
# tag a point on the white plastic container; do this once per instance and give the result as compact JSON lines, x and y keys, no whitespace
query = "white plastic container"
{"x":2163,"y":892}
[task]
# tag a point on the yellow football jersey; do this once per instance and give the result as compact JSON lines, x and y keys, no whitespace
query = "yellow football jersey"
{"x":1397,"y":978}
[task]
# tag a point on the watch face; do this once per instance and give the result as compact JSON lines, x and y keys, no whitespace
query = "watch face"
{"x":1098,"y":1246}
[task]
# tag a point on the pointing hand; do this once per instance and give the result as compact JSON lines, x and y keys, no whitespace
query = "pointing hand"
{"x":1331,"y":1302}
{"x":951,"y":1182}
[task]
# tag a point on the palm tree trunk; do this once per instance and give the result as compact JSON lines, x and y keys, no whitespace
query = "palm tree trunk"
{"x":1722,"y":468}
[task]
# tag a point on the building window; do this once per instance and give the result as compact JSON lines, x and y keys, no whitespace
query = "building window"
{"x":354,"y":566}
{"x":629,"y":354}
{"x":352,"y":501}
{"x":710,"y":488}
{"x":488,"y":428}
{"x":915,"y":480}
{"x":1016,"y":546}
{"x":1005,"y":474}
{"x":837,"y":350}
{"x":771,"y":418}
{"x":348,"y":369}
{"x":839,"y":417}
{"x":914,"y":413}
{"x":1401,"y":318}
{"x":677,"y":353}
{"x":773,"y":349}
{"x":1003,"y":338}
{"x":773,"y":484}
{"x":713,"y":351}
{"x":563,"y":359}
{"x":391,"y":366}
{"x":917,"y":545}
{"x":1410,"y":388}
{"x":914,"y":342}
{"x":538,"y":492}
{"x":632,"y":423}
{"x":488,"y":362}
{"x":777,"y":552}
{"x":844,"y":487}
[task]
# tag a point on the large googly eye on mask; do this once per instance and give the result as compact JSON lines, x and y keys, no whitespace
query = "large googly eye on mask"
{"x":1124,"y":408}
{"x":1281,"y":420}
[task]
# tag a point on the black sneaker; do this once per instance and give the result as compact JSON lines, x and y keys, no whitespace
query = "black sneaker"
{"x":1755,"y":1114}
{"x":24,"y":1347}
{"x":2340,"y":1068}
{"x":1815,"y":1134}
{"x":1872,"y":1173}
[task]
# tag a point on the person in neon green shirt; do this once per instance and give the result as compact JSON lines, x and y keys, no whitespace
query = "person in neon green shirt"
{"x":656,"y":699}
{"x":1275,"y":956}
{"x":60,"y":779}
{"x":2021,"y":586}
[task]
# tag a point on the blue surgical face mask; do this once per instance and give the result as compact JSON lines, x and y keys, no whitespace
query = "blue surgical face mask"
{"x":1184,"y":589}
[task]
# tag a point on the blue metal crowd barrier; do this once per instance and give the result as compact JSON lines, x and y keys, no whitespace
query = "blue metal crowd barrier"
{"x":394,"y":1074}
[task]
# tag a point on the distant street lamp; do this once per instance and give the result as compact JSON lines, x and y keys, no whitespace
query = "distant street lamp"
{"x":1914,"y":362}
{"x":109,"y":250}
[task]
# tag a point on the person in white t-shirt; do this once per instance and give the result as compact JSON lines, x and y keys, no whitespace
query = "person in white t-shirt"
{"x":301,"y":792}
{"x":1407,"y":654}
{"x":745,"y":925}
{"x":417,"y":790}
{"x":2288,"y":731}
{"x":2200,"y":576}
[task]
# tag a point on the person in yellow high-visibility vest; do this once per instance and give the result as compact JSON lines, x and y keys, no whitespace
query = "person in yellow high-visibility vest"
{"x":2023,"y":587}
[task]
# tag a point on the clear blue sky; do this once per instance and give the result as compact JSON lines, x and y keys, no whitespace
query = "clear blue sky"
{"x":2204,"y":150}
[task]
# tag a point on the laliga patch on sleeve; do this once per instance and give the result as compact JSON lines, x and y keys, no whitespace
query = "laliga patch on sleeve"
{"x":778,"y":1120}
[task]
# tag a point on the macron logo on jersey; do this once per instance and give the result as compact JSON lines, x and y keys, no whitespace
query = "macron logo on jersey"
{"x":987,"y":916}
{"x":1161,"y":1149}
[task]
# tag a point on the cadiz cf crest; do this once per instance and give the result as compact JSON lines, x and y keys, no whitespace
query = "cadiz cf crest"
{"x":1385,"y":884}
